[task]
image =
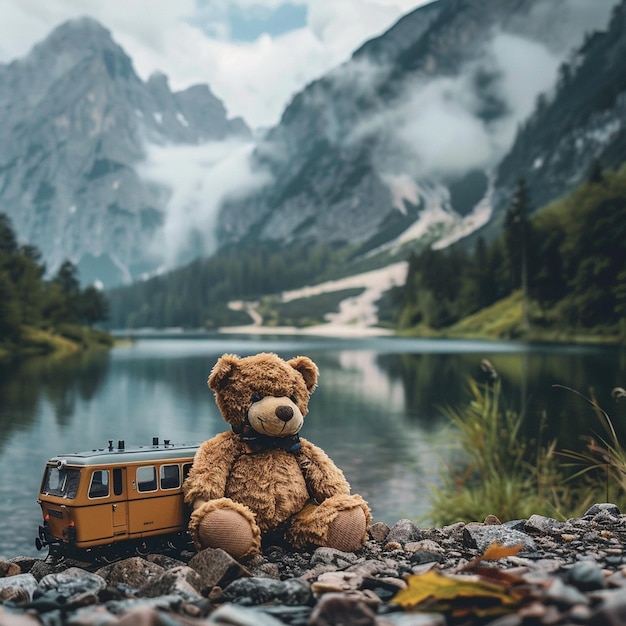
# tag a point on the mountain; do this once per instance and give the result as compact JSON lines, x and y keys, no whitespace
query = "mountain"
{"x":75,"y":125}
{"x":581,"y":122}
{"x":529,"y":89}
{"x":399,"y":142}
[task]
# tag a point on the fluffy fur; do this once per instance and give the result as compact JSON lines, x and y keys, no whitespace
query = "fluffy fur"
{"x":300,"y":496}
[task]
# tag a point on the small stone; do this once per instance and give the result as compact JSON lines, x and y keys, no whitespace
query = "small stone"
{"x":330,"y":556}
{"x":134,"y":572}
{"x":426,"y":545}
{"x":379,"y":531}
{"x":336,"y":608}
{"x":612,"y":612}
{"x":336,"y":581}
{"x":19,"y":588}
{"x":603,"y":507}
{"x":183,"y":581}
{"x":9,"y":569}
{"x":565,"y":595}
{"x":235,"y":615}
{"x":253,"y":591}
{"x":491,"y":520}
{"x":391,"y":546}
{"x":404,"y":531}
{"x":217,"y":567}
{"x":544,"y":525}
{"x":481,"y":537}
{"x":76,"y":585}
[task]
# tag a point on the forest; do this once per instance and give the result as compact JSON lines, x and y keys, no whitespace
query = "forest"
{"x":36,"y":313}
{"x":568,"y":261}
{"x":197,"y":295}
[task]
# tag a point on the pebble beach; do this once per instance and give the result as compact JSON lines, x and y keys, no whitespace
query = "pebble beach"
{"x":550,"y":572}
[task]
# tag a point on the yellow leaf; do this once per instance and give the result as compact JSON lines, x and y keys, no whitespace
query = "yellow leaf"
{"x":496,"y":551}
{"x":493,"y":552}
{"x":451,"y":590}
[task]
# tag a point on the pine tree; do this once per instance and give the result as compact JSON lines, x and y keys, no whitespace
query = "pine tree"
{"x":517,"y":233}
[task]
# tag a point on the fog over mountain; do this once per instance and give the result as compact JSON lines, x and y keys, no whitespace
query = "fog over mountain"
{"x":402,"y":138}
{"x":82,"y":136}
{"x":411,"y":138}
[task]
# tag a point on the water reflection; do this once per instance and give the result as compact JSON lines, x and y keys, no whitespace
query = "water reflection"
{"x":59,"y":383}
{"x":376,"y":411}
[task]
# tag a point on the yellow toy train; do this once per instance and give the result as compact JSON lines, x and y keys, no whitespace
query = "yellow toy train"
{"x":112,"y":502}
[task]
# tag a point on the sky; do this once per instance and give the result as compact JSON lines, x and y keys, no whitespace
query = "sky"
{"x":254,"y":54}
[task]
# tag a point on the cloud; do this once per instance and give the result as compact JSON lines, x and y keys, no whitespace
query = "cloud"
{"x":192,"y":42}
{"x":446,"y":126}
{"x":197,"y":179}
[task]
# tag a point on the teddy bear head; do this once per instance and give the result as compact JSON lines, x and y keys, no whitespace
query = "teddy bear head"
{"x":264,"y":391}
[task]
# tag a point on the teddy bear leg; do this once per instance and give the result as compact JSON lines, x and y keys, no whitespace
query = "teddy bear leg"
{"x":340,"y":522}
{"x":227,"y":525}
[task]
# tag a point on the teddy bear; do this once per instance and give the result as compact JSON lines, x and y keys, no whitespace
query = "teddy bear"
{"x":261,"y":483}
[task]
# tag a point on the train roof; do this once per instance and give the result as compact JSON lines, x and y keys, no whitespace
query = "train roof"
{"x":133,"y":454}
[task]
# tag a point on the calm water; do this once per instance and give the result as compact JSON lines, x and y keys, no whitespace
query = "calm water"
{"x":376,"y":411}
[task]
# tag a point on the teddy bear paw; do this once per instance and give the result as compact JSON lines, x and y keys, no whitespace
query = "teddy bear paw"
{"x":347,"y":531}
{"x":228,"y":530}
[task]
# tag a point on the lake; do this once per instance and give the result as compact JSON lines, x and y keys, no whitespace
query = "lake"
{"x":377,"y":410}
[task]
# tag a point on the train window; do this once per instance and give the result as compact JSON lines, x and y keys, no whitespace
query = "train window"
{"x":99,"y":487}
{"x":118,"y":485}
{"x":146,"y":478}
{"x":170,"y":476}
{"x":61,"y":481}
{"x":186,"y":469}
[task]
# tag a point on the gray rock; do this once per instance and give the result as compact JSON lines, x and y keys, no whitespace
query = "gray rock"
{"x":340,"y":608}
{"x":216,"y":567}
{"x":586,"y":576}
{"x":603,"y":507}
{"x":182,"y":580}
{"x":75,"y":585}
{"x":481,"y":537}
{"x":134,"y":572}
{"x":253,"y":591}
{"x":379,"y":531}
{"x":544,"y":525}
{"x":19,"y":588}
{"x":235,"y":615}
{"x":336,"y":558}
{"x":565,"y":595}
{"x":404,"y":531}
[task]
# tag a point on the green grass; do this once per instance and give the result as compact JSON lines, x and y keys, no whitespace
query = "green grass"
{"x":503,"y":320}
{"x":65,"y":340}
{"x":499,"y":471}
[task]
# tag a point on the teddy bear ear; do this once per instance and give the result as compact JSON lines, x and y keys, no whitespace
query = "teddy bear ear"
{"x":221,"y":371}
{"x":308,"y":369}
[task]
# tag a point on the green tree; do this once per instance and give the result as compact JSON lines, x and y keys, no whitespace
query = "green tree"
{"x":517,"y":234}
{"x":93,"y":306}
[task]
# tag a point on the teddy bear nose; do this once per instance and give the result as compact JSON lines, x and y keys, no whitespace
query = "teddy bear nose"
{"x":284,"y":413}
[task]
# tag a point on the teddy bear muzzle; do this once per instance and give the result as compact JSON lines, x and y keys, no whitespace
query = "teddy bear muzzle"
{"x":277,"y":417}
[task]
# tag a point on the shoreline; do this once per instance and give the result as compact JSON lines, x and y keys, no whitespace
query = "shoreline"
{"x":533,"y":571}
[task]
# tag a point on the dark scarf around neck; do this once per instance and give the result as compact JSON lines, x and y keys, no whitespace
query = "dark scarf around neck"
{"x":254,"y":441}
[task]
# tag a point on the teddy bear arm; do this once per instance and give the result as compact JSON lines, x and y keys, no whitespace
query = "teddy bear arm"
{"x":322,"y":477}
{"x":211,"y":466}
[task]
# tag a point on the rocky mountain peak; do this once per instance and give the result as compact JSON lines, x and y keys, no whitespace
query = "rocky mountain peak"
{"x":77,"y":122}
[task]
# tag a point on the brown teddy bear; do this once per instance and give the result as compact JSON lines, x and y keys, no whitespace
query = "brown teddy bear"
{"x":263,"y":481}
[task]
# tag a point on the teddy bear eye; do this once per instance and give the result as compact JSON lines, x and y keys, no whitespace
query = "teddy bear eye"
{"x":294,"y":399}
{"x":256,"y":397}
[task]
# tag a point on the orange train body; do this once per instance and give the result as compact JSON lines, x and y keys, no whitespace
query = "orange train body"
{"x":107,"y":503}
